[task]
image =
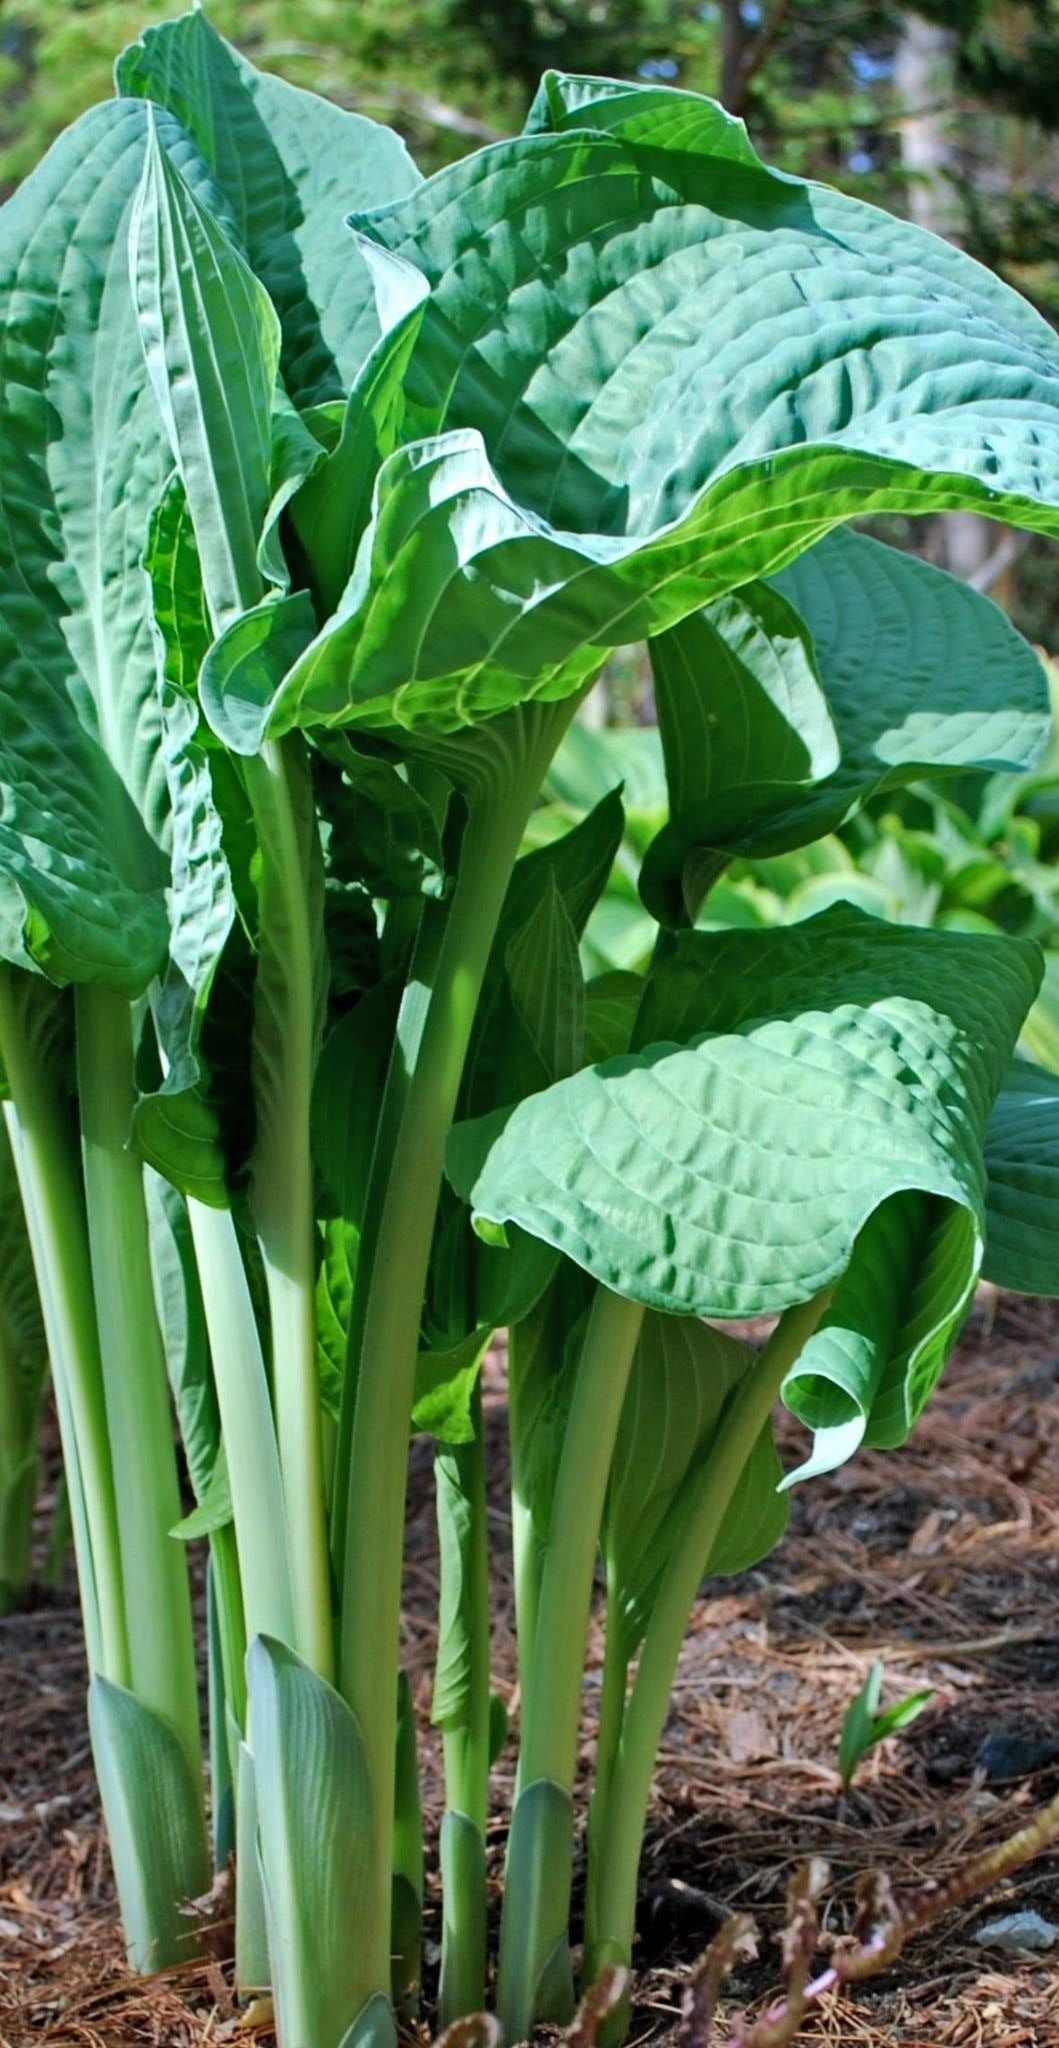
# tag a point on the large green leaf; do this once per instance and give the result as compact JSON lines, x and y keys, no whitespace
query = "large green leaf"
{"x":290,"y":166}
{"x":784,"y":1087}
{"x":682,"y":1375}
{"x":211,"y":341}
{"x":921,"y":674}
{"x":657,"y":114}
{"x":1022,"y":1190}
{"x":84,"y":845}
{"x":659,"y":372}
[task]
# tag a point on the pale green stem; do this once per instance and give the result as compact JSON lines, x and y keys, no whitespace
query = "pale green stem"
{"x":466,"y":1747}
{"x":246,"y":1424}
{"x":95,"y":1652}
{"x":407,"y":1930}
{"x":540,"y":1863}
{"x":157,"y":1598}
{"x":283,"y":1190}
{"x":527,"y":1575}
{"x":18,"y":1468}
{"x":608,"y":1739}
{"x":226,"y":1685}
{"x":551,"y":1712}
{"x":616,"y":1851}
{"x":231,"y":1626}
{"x":49,"y":1181}
{"x":466,"y":1752}
{"x":389,"y":1328}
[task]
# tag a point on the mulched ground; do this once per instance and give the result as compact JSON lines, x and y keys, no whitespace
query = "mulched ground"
{"x":942,"y":1559}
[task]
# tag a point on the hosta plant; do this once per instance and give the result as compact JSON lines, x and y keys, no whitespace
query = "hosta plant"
{"x":327,"y":491}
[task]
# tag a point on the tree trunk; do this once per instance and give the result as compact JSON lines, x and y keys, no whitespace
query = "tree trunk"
{"x":924,"y":70}
{"x":733,"y":45}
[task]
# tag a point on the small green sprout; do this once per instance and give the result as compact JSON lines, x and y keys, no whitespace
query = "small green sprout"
{"x":863,"y":1725}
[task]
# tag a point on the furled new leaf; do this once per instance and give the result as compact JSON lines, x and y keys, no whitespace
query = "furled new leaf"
{"x":154,"y":1825}
{"x":175,"y":1125}
{"x":312,"y":1824}
{"x":211,"y":342}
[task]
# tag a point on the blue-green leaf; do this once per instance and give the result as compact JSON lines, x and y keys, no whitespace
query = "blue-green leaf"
{"x":290,"y":166}
{"x":785,"y":1086}
{"x":314,"y":1815}
{"x":153,"y":1811}
{"x":83,"y":849}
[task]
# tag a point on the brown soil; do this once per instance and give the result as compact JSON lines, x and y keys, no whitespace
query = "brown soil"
{"x":942,"y":1559}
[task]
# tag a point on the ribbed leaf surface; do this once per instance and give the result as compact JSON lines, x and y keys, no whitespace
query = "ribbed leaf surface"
{"x":153,"y":1810}
{"x":661,"y":372}
{"x":83,"y":845}
{"x":786,"y":1086}
{"x":290,"y":166}
{"x":314,"y":1815}
{"x":920,"y":674}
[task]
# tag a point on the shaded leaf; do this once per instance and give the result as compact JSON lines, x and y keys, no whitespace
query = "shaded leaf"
{"x":1022,"y":1184}
{"x":682,"y":1375}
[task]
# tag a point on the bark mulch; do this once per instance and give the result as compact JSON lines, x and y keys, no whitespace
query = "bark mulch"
{"x":942,"y":1559}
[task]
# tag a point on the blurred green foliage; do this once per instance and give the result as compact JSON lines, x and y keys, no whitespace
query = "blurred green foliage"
{"x":816,"y":83}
